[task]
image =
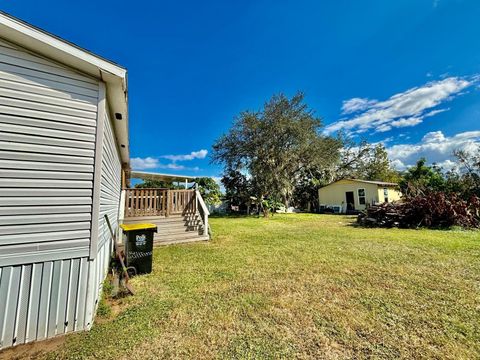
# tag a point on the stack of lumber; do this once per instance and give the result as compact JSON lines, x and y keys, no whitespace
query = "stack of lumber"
{"x":382,"y":215}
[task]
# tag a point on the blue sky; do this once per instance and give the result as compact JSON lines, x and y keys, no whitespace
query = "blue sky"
{"x":402,"y":72}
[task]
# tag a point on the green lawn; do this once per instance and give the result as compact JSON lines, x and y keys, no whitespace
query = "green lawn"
{"x":299,"y":286}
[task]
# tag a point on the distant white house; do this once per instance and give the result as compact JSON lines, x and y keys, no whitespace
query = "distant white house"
{"x":63,"y":152}
{"x":353,"y":194}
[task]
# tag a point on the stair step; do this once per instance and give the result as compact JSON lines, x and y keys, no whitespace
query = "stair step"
{"x":180,"y":241}
{"x":175,"y":223}
{"x":167,"y":223}
{"x":174,"y":229}
{"x":159,"y":218}
{"x":171,"y":237}
{"x":163,"y":222}
{"x":179,"y":226}
{"x":160,"y":221}
{"x":182,"y":230}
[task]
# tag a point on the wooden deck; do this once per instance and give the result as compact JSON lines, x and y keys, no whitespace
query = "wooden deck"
{"x":180,"y":215}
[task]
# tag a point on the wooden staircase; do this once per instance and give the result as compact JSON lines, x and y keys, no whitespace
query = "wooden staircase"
{"x":181,"y":216}
{"x":175,"y":229}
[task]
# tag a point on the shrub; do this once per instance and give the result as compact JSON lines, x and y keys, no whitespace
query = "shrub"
{"x":433,"y":209}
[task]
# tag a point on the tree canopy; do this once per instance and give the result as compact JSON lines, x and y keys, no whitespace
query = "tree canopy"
{"x":209,"y":189}
{"x":275,"y":145}
{"x":365,"y":161}
{"x":157,"y":184}
{"x":422,"y":177}
{"x":464,"y":179}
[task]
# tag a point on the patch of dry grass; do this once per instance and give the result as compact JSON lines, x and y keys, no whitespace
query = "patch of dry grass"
{"x":300,"y":286}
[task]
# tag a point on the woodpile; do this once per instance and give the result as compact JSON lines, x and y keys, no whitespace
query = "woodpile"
{"x":383,"y":215}
{"x":433,"y":210}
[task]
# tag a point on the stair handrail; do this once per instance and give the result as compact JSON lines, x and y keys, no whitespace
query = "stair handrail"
{"x":203,"y":211}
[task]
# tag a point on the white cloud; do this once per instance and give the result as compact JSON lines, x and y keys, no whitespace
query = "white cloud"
{"x":405,"y":109}
{"x":433,"y":137}
{"x":138,"y":163}
{"x":435,"y":147}
{"x":172,"y":166}
{"x":448,"y":165}
{"x":149,"y":162}
{"x":384,"y":142}
{"x":153,"y":163}
{"x":356,"y":104}
{"x":403,"y":122}
{"x":201,"y":154}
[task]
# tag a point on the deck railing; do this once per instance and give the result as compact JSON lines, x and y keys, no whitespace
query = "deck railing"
{"x":203,"y":212}
{"x":181,"y":202}
{"x":159,"y":202}
{"x":146,"y":202}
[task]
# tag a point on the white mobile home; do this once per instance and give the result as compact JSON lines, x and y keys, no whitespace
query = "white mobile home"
{"x":63,"y":149}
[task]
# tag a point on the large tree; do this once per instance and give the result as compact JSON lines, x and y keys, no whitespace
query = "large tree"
{"x":275,"y":145}
{"x":154,"y":184}
{"x":376,"y":165}
{"x":365,"y":161}
{"x":238,"y":188}
{"x":470,"y":169}
{"x":463,"y":179}
{"x":422,"y":177}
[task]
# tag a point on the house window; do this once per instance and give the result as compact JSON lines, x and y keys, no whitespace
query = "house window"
{"x":385,"y":194}
{"x":361,"y":196}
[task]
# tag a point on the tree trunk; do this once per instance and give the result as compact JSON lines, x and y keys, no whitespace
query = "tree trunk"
{"x":285,"y":202}
{"x":264,"y":210}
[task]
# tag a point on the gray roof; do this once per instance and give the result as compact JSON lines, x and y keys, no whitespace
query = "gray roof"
{"x":157,"y":176}
{"x":379,"y":183}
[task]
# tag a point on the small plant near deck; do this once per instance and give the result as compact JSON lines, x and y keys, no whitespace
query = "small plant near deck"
{"x":104,"y":309}
{"x":269,"y":206}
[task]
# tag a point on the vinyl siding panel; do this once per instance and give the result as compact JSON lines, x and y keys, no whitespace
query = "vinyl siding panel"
{"x":51,"y":158}
{"x":45,"y":209}
{"x":47,"y":140}
{"x":110,"y":187}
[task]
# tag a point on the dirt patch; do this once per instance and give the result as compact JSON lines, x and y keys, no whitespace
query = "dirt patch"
{"x":115,"y":306}
{"x":32,"y":350}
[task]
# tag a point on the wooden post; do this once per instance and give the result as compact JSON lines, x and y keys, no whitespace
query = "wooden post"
{"x":154,"y":204}
{"x":135,"y":195}
{"x":167,"y":210}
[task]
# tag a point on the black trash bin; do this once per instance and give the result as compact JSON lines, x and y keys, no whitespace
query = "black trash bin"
{"x":138,"y":240}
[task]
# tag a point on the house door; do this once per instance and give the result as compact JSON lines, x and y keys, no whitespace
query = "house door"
{"x":350,"y":200}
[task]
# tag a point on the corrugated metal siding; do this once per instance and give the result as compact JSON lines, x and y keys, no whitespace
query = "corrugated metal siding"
{"x":47,"y":142}
{"x":98,"y":269}
{"x":41,"y":300}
